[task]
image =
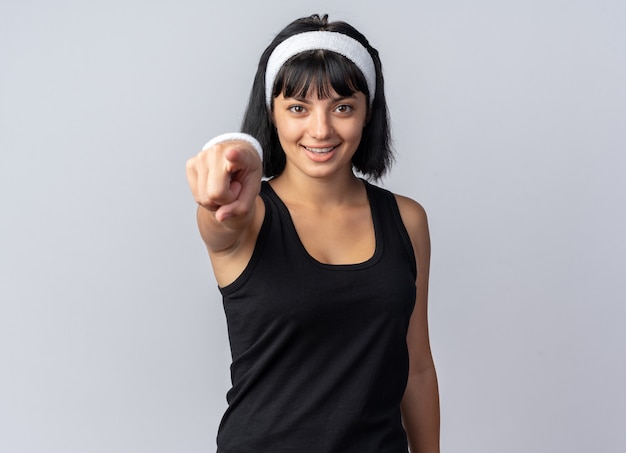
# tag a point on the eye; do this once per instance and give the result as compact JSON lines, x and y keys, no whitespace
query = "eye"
{"x":296,"y":108}
{"x":343,"y":108}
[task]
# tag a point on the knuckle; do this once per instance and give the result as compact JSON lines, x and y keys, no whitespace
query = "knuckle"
{"x":207,"y":202}
{"x":214,"y":194}
{"x":190,"y":165}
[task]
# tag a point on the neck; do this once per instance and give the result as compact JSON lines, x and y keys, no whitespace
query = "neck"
{"x":319,"y":192}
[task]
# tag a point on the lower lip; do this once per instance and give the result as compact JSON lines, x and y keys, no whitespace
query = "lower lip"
{"x":320,"y":157}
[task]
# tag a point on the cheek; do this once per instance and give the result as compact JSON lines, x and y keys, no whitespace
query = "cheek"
{"x":288,"y":134}
{"x":282,"y":126}
{"x":283,"y":121}
{"x":285,"y":131}
{"x":355,"y":132}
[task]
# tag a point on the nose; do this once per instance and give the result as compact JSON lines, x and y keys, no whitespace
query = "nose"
{"x":320,"y":125}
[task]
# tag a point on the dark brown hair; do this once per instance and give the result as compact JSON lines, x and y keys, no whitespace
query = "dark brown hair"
{"x":326,"y":70}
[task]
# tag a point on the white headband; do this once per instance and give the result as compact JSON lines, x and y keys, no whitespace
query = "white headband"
{"x":320,"y":40}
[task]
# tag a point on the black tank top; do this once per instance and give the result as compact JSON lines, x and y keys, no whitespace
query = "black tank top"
{"x":320,"y":360}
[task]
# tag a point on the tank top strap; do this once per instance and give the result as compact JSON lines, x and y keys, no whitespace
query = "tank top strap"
{"x":385,"y":212}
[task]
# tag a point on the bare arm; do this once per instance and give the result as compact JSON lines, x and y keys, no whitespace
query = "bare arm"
{"x":420,"y":404}
{"x":225,"y":181}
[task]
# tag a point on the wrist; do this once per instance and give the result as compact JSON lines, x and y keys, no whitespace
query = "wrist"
{"x":236,"y":136}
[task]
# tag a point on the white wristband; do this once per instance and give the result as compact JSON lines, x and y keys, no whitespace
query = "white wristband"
{"x":235,"y":136}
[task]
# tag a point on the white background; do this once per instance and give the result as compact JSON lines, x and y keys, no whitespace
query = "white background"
{"x":509,"y":122}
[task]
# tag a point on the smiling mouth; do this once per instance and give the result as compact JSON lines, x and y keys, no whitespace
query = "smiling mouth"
{"x":320,"y":151}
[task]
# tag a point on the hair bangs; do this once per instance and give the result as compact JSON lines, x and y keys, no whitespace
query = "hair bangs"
{"x":326,"y":71}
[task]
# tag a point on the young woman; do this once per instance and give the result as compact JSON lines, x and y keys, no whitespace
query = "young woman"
{"x":324,"y":276}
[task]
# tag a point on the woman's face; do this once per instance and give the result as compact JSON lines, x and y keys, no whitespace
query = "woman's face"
{"x":320,"y":136}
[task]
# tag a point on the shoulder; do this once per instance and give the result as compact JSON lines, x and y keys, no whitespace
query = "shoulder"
{"x":413,"y":213}
{"x":415,"y":221}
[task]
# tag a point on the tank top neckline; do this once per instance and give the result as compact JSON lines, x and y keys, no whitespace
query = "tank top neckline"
{"x":375,"y":216}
